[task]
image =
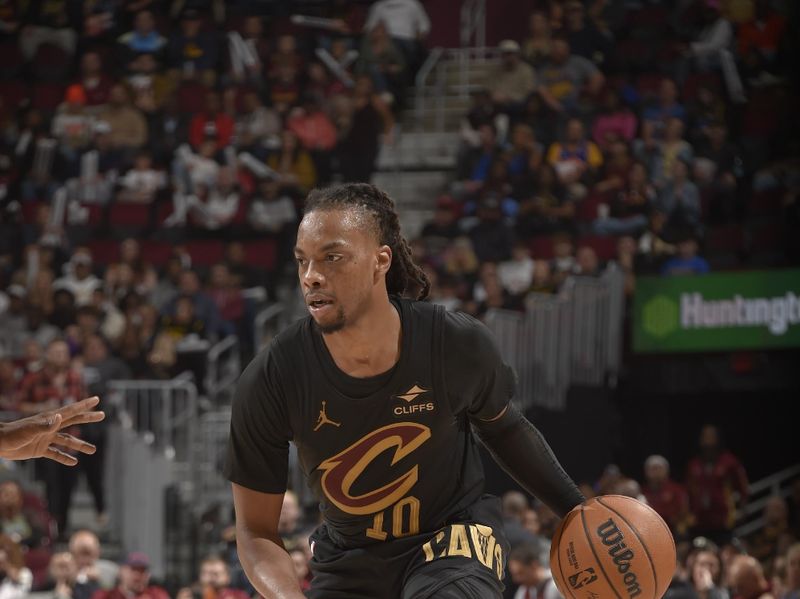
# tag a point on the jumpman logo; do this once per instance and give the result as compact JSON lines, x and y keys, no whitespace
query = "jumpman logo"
{"x":323,"y":419}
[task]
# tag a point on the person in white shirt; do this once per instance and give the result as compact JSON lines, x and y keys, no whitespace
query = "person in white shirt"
{"x":516,"y":275}
{"x":271,"y":211}
{"x":78,"y":278}
{"x":15,"y":578}
{"x":531,"y":575}
{"x":142,"y":182}
{"x":407,"y":22}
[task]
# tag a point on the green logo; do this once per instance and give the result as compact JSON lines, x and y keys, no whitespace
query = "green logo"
{"x":660,"y":316}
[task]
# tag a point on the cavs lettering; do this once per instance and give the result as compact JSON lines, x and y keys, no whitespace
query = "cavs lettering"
{"x":467,"y":540}
{"x":342,"y":470}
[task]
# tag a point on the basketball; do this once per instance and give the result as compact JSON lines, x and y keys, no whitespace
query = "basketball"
{"x":612,"y":547}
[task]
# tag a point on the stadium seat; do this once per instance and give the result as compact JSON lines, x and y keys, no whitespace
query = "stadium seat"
{"x":261,"y":253}
{"x":127,"y":218}
{"x":104,"y":251}
{"x":205,"y":252}
{"x":51,"y":63}
{"x":542,"y":248}
{"x":191,"y":97}
{"x":13,"y":93}
{"x":725,"y":238}
{"x":156,"y":252}
{"x":47,"y":96}
{"x":605,"y":247}
{"x":29,"y":210}
{"x":10,"y":61}
{"x":765,"y":203}
{"x":695,"y":80}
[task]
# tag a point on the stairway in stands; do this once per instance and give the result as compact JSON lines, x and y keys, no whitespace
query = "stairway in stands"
{"x":419,"y":166}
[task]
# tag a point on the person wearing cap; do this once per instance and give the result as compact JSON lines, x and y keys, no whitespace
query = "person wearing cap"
{"x":565,"y":77}
{"x":79,"y":280}
{"x":192,"y":53}
{"x":72,"y":126}
{"x":666,"y":496}
{"x":134,"y":581}
{"x":513,"y":80}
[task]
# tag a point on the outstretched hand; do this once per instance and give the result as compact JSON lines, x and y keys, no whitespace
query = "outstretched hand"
{"x":39,"y":436}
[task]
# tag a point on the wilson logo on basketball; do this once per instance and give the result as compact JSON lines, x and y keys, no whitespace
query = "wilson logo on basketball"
{"x":343,"y":470}
{"x":612,"y":537}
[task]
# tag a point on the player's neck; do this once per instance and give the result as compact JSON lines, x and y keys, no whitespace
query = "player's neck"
{"x":370,"y":346}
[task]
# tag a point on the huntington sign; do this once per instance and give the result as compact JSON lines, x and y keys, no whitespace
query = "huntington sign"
{"x":717,"y":312}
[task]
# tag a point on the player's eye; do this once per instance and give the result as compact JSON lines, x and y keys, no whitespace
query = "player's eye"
{"x":300,"y":261}
{"x":333,"y":257}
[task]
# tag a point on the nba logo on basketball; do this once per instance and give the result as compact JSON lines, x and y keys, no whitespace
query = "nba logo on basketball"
{"x":582,"y":578}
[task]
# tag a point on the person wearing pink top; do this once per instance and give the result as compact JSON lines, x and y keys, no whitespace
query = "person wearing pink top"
{"x":615,"y":122}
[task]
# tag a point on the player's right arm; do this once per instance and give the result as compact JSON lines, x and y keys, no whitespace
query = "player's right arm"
{"x":257,"y":464}
{"x":264,"y":559}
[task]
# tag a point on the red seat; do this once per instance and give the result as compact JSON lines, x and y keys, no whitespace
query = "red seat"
{"x":205,"y":252}
{"x":695,"y":80}
{"x":261,"y":253}
{"x":129,"y":215}
{"x":726,"y":238}
{"x":95,"y":214}
{"x":51,"y":63}
{"x":542,"y":248}
{"x":769,"y":236}
{"x":191,"y":97}
{"x":104,"y":251}
{"x":47,"y":96}
{"x":604,"y":247}
{"x":156,"y":252}
{"x":13,"y":94}
{"x":10,"y":60}
{"x":648,"y":84}
{"x":29,"y":210}
{"x":766,"y":203}
{"x":648,"y":16}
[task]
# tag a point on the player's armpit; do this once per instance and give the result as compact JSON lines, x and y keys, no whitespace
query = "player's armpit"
{"x":521,"y":450}
{"x":264,"y":559}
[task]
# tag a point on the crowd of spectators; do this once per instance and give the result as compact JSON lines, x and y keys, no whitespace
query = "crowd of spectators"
{"x":579,"y":151}
{"x":149,"y":149}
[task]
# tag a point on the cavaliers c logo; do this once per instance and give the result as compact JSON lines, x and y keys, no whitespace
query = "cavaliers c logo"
{"x":343,"y":469}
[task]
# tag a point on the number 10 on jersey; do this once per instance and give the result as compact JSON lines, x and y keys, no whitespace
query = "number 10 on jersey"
{"x":404,"y":516}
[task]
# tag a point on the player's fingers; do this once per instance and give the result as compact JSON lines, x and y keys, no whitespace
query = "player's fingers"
{"x":70,"y":442}
{"x":86,"y":418}
{"x":79,"y":407}
{"x":55,"y":454}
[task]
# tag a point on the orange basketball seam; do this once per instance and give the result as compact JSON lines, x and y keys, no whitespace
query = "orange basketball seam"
{"x":661,"y":521}
{"x":556,"y":542}
{"x":597,"y":557}
{"x":636,"y":534}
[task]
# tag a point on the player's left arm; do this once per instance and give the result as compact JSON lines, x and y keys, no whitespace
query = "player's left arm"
{"x":514,"y":443}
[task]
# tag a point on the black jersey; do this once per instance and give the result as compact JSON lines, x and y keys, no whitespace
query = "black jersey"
{"x":386,"y":456}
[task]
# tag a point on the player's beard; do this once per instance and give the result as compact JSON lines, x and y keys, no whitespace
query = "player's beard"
{"x":337,"y":324}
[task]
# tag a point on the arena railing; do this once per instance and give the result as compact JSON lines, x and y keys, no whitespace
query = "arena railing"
{"x":223,"y":366}
{"x":751,"y":518}
{"x":573,"y":337}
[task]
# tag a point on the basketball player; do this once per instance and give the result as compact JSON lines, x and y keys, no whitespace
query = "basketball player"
{"x":39,"y":436}
{"x":381,"y":395}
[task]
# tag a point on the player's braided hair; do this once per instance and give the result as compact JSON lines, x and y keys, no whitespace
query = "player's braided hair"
{"x":404,"y":277}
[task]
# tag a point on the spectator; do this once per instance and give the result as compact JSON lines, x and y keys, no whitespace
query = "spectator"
{"x":193,"y":54}
{"x":584,"y":37}
{"x":215,"y":207}
{"x":301,"y":568}
{"x":775,"y":537}
{"x":748,"y":580}
{"x":513,"y":80}
{"x":293,"y":164}
{"x":719,"y":167}
{"x":78,"y":278}
{"x":134,"y":581}
{"x":793,"y":572}
{"x":542,"y":278}
{"x":316,"y":133}
{"x":616,"y":122}
{"x":242,"y":274}
{"x":481,"y":112}
{"x":516,"y":275}
{"x":257,"y":125}
{"x":474,"y":163}
{"x":575,"y":159}
{"x":705,"y":573}
{"x":628,"y":210}
{"x":383,"y":62}
{"x":713,"y":476}
{"x":227,"y":296}
{"x":193,"y":170}
{"x":211,"y":124}
{"x":515,"y":505}
{"x":141,"y":184}
{"x":686,"y":261}
{"x":9,"y":380}
{"x":460,"y":260}
{"x":249,"y":52}
{"x":290,"y":515}
{"x":713,"y":41}
{"x":168,"y":129}
{"x":128,"y":125}
{"x":284,"y":87}
{"x":13,"y":321}
{"x":96,"y":84}
{"x":204,"y":308}
{"x":655,"y":118}
{"x":491,"y":236}
{"x":565,"y":77}
{"x":408,"y":25}
{"x":214,"y":582}
{"x":15,"y":578}
{"x":616,"y":165}
{"x":150,"y":87}
{"x":22,"y":526}
{"x":443,"y":229}
{"x":532,"y":577}
{"x":758,"y":41}
{"x":144,"y":37}
{"x":563,"y":258}
{"x":587,"y":262}
{"x":55,"y":23}
{"x":652,"y":248}
{"x":285,"y":56}
{"x":524,"y":157}
{"x":670,"y":149}
{"x":72,"y":126}
{"x":680,"y":199}
{"x":359,"y":148}
{"x":666,"y":496}
{"x":63,"y":573}
{"x":536,"y":47}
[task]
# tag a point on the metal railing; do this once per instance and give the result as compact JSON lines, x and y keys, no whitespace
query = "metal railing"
{"x":223,"y":366}
{"x":760,"y":492}
{"x":574,"y":337}
{"x":268,"y":323}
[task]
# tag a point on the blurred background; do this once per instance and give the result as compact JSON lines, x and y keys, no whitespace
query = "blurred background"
{"x":611,"y":186}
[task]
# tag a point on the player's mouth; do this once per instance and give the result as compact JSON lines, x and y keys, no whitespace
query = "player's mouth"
{"x":318,"y":304}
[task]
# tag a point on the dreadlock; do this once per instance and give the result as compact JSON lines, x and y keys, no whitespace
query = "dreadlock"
{"x":404,"y":278}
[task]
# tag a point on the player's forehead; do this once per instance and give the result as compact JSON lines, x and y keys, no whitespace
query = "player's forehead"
{"x":346,"y":227}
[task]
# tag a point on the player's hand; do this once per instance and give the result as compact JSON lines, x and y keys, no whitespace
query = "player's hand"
{"x":39,"y":436}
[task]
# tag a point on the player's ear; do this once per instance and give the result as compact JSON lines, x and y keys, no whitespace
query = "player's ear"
{"x":383,"y":260}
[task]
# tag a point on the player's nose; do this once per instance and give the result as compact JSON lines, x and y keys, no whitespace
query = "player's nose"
{"x":311,"y":276}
